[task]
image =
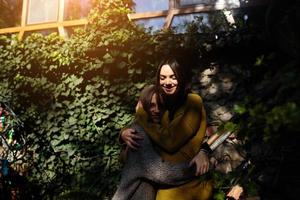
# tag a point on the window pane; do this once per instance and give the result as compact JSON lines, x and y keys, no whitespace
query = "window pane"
{"x":42,"y":11}
{"x":179,"y":22}
{"x":192,"y":2}
{"x":10,"y":13}
{"x":77,"y":9}
{"x":155,"y":24}
{"x":228,"y":3}
{"x":150,"y":5}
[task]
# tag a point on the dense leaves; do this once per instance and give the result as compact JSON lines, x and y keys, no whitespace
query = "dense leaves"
{"x":74,"y":96}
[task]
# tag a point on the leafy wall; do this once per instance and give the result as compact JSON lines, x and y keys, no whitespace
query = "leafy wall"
{"x":74,"y":95}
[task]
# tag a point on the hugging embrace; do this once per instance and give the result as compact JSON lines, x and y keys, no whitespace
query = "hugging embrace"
{"x":164,"y":153}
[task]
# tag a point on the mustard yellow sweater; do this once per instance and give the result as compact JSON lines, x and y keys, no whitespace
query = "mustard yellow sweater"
{"x":180,"y":139}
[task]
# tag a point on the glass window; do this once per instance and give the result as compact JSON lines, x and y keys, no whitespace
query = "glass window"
{"x":77,"y":9}
{"x":230,"y":3}
{"x":150,"y":5}
{"x":10,"y":13}
{"x":40,"y":11}
{"x":193,"y":2}
{"x":153,"y":24}
{"x":179,"y":22}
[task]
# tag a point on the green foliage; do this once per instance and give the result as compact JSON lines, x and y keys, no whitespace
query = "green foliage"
{"x":74,"y":96}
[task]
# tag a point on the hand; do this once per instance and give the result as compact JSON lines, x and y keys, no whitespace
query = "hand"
{"x":202,"y":163}
{"x":130,"y":138}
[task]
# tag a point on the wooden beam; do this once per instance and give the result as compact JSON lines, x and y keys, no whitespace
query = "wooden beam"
{"x":44,"y":26}
{"x":24,"y":12}
{"x":61,"y":8}
{"x":10,"y":30}
{"x":162,"y":13}
{"x":169,"y":19}
{"x":183,"y":10}
{"x":192,"y":9}
{"x":76,"y":22}
{"x":56,"y":25}
{"x":172,"y":4}
{"x":23,"y":18}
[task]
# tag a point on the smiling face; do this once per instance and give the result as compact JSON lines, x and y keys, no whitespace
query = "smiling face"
{"x":168,"y":80}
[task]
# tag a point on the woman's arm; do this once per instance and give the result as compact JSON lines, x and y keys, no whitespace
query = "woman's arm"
{"x":172,"y":135}
{"x":128,"y":135}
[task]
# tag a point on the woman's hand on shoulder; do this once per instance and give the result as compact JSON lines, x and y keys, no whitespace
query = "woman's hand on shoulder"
{"x":130,"y":138}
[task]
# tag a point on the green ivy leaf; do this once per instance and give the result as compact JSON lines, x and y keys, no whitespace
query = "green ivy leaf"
{"x":28,"y":66}
{"x":219,"y":195}
{"x":239,"y":108}
{"x":72,"y":120}
{"x":121,"y":65}
{"x":108,"y":58}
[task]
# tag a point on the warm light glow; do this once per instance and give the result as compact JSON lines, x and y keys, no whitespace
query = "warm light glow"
{"x":77,"y":9}
{"x":40,"y":11}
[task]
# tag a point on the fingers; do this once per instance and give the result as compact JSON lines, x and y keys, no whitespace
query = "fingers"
{"x":197,"y":170}
{"x":201,"y":168}
{"x":134,"y":143}
{"x":130,"y":130}
{"x":130,"y":138}
{"x":195,"y":161}
{"x":205,"y":168}
{"x":131,"y":146}
{"x":131,"y":133}
{"x":198,"y":166}
{"x":202,"y":163}
{"x":134,"y":136}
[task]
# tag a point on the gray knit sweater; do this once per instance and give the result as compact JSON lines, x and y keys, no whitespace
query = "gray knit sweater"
{"x":144,"y":168}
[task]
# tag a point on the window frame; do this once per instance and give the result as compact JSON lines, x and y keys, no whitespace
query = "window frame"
{"x":59,"y":24}
{"x":174,"y":9}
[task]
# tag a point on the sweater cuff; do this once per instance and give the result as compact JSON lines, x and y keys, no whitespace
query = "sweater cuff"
{"x":205,"y":148}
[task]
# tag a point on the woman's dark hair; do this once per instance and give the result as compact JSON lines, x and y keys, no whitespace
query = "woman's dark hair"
{"x":181,"y":72}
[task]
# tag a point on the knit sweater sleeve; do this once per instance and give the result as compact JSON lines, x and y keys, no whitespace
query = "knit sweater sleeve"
{"x":172,"y":135}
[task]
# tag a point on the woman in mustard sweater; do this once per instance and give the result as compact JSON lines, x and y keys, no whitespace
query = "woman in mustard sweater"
{"x":180,"y":134}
